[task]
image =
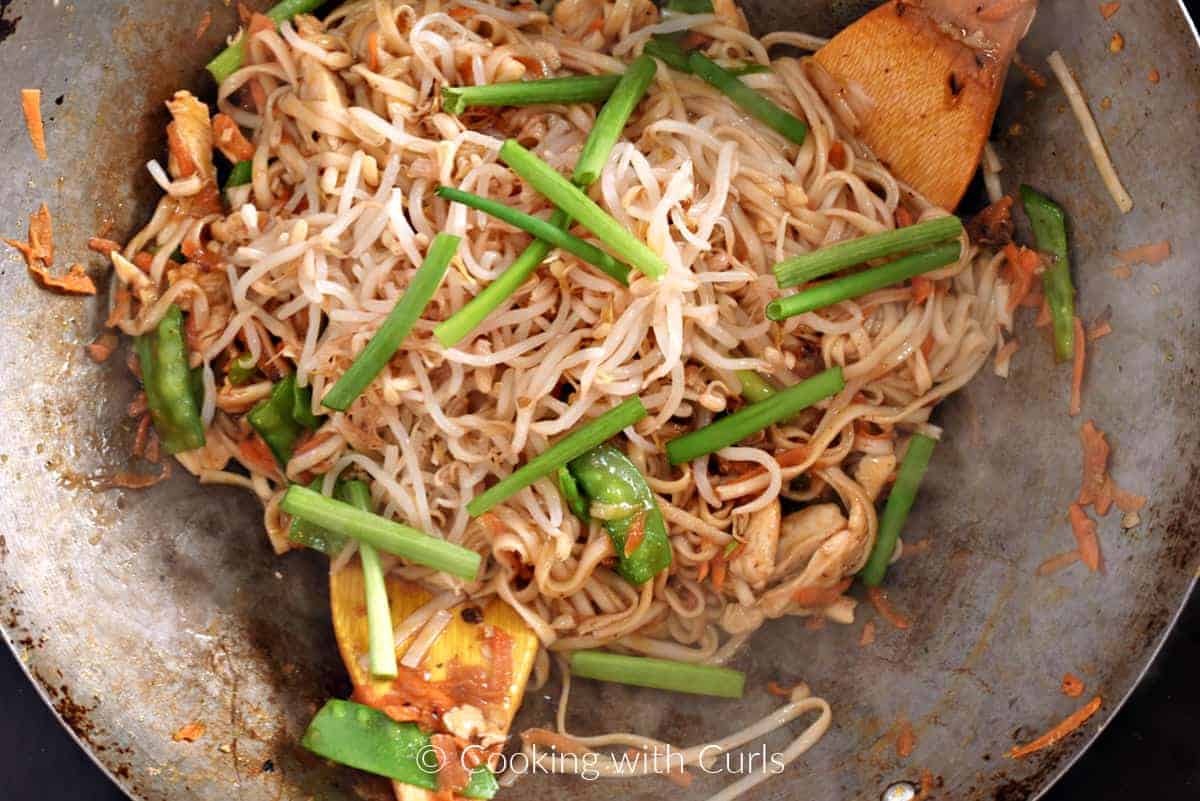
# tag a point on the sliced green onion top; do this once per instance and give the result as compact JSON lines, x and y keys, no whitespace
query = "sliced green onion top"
{"x":833,"y":258}
{"x":386,"y":535}
{"x":662,"y":674}
{"x":610,"y":122}
{"x":381,"y":643}
{"x":396,"y":327}
{"x":755,"y":388}
{"x":229,"y":60}
{"x":578,"y":442}
{"x":572,"y":89}
{"x":751,"y":419}
{"x":858,"y":284}
{"x":899,"y":502}
{"x":568,"y":197}
{"x":756,"y":105}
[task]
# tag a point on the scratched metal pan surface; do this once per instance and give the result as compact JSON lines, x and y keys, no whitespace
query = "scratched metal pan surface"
{"x":138,"y":612}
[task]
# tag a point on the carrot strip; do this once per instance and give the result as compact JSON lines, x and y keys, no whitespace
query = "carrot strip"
{"x":814,"y":597}
{"x":1084,"y":529}
{"x":1068,"y":725}
{"x":1077,"y":370}
{"x":1099,"y":330}
{"x":718,"y":573}
{"x":1072,"y":685}
{"x":228,"y":138}
{"x":868,"y":634}
{"x":837,"y":156}
{"x":879,"y":600}
{"x":777,"y":689}
{"x":31,"y":106}
{"x":1094,"y":488}
{"x":373,"y":49}
{"x":922,"y":288}
{"x":906,"y":740}
{"x":1058,"y":562}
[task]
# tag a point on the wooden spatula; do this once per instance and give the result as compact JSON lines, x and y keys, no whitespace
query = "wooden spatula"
{"x":462,"y":646}
{"x":934,"y":70}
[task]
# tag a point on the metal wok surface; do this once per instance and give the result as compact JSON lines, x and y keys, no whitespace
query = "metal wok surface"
{"x":138,"y":612}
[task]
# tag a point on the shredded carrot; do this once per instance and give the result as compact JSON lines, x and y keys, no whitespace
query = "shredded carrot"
{"x":136,"y":481}
{"x":879,"y":600}
{"x":40,"y":236}
{"x":718,"y":572}
{"x":244,"y":13}
{"x":76,"y":281}
{"x":257,"y":455}
{"x":205,"y":22}
{"x":1108,"y":9}
{"x":228,"y":138}
{"x":922,"y":288}
{"x":189,"y":733}
{"x":1023,"y":264}
{"x":1127,"y":502}
{"x":1153,"y":253}
{"x":1094,"y":488}
{"x":1099,"y":330}
{"x":1122,"y":273}
{"x":1043,"y":319}
{"x":461,"y":13}
{"x":903,"y":217}
{"x":1058,"y":562}
{"x":702,"y":571}
{"x":596,"y":25}
{"x":1070,"y":724}
{"x":637,"y":532}
{"x":1154,"y":76}
{"x":814,"y":597}
{"x":535,"y":66}
{"x":837,"y":155}
{"x":1077,"y":370}
{"x":1072,"y":685}
{"x":1117,"y":43}
{"x":31,"y":106}
{"x":1084,"y":529}
{"x":868,"y":634}
{"x":142,"y":260}
{"x":694,"y":39}
{"x":562,"y":743}
{"x":1034,"y":299}
{"x":101,"y":348}
{"x":927,"y":784}
{"x":373,"y":49}
{"x":777,"y":689}
{"x":906,"y":740}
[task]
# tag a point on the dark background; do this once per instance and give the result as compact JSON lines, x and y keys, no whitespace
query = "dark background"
{"x":1149,"y":751}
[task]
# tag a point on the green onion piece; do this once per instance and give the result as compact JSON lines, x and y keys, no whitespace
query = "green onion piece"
{"x":669,"y":52}
{"x":241,"y":370}
{"x":1050,"y":229}
{"x":312,"y":536}
{"x":852,"y":286}
{"x":573,"y":89}
{"x":749,"y":69}
{"x":241,"y":174}
{"x":754,"y":418}
{"x":544,"y":230}
{"x":229,"y":60}
{"x":302,"y":411}
{"x":899,"y":502}
{"x":395,"y":328}
{"x":465,"y":320}
{"x":568,"y":197}
{"x":819,"y":263}
{"x":755,"y":388}
{"x":577,"y":443}
{"x":365,"y":738}
{"x":750,"y":101}
{"x":168,"y":383}
{"x":273,"y":420}
{"x":569,"y":487}
{"x":381,"y":645}
{"x":662,"y":674}
{"x":610,"y":122}
{"x":385,"y":535}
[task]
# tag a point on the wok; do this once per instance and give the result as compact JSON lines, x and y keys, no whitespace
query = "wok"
{"x":138,"y":612}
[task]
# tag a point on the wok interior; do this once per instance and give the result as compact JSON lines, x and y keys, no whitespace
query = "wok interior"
{"x":166,"y":606}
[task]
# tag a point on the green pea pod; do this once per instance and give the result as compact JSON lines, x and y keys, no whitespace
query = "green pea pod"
{"x":241,"y":370}
{"x":1049,"y":224}
{"x":310,"y":535}
{"x":367,"y":739}
{"x":166,"y":378}
{"x":569,"y":488}
{"x":606,"y":476}
{"x":302,"y":411}
{"x":273,"y":420}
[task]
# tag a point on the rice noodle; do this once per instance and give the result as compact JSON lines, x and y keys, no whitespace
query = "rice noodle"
{"x":1095,"y":143}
